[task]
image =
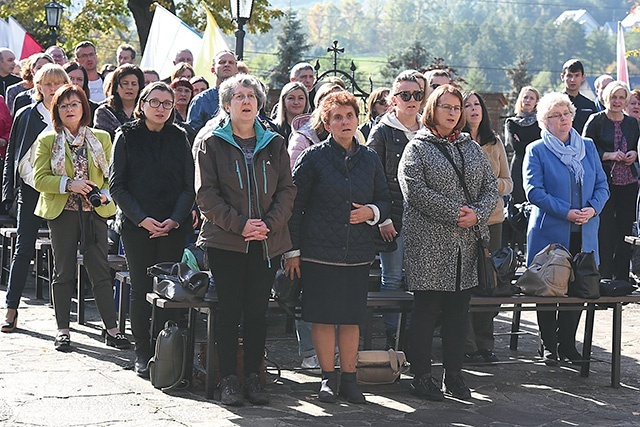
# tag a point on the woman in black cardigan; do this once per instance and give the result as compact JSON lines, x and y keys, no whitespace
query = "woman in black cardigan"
{"x":151,"y":180}
{"x":616,"y":137}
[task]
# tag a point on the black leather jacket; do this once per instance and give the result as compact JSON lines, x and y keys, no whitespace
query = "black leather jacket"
{"x":28,"y":124}
{"x":389,"y":143}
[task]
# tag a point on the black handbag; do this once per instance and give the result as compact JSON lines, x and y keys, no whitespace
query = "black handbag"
{"x":518,"y":215}
{"x":285,"y":290}
{"x":615,"y":288}
{"x":170,"y":275}
{"x":506,"y":263}
{"x":487,"y":275}
{"x":586,"y":283}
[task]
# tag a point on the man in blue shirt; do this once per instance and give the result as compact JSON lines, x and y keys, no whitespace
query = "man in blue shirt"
{"x":205,"y":105}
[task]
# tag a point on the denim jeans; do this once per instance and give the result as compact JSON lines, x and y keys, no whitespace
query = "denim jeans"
{"x":392,"y":264}
{"x":28,"y":225}
{"x":305,"y":343}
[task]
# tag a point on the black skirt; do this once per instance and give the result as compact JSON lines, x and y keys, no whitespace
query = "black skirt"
{"x":334,"y":295}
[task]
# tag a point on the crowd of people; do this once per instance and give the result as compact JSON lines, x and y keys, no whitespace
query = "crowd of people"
{"x":310,"y":189}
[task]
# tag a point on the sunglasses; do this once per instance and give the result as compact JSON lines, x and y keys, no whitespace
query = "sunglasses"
{"x":406,"y":95}
{"x":434,"y":86}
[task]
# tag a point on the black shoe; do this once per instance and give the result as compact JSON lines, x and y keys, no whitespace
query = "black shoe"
{"x":453,"y":384}
{"x":473,"y":358}
{"x":253,"y":390}
{"x":328,"y":387}
{"x":488,"y":356}
{"x":118,"y":341}
{"x":230,"y":391}
{"x":141,"y":366}
{"x":570,"y":354}
{"x":62,"y":343}
{"x":349,"y":388}
{"x":549,"y":357}
{"x":426,"y":387}
{"x":10,"y":326}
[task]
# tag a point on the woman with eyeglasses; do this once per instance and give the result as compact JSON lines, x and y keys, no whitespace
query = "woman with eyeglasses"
{"x":479,"y":347}
{"x":124,"y":86}
{"x":616,"y":137}
{"x":151,"y":180}
{"x":184,"y":94}
{"x":18,"y":184}
{"x":567,"y":187}
{"x":245,"y":193}
{"x":440,"y":243}
{"x":376,"y":107}
{"x":71,"y":171}
{"x":388,"y":138}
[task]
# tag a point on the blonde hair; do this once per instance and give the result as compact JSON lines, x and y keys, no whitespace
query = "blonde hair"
{"x":523,"y":92}
{"x":549,"y":102}
{"x":49,"y":73}
{"x":613,"y":87}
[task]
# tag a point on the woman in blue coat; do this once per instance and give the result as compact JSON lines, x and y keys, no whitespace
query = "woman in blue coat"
{"x":564,"y":181}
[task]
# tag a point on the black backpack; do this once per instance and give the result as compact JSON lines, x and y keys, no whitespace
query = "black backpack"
{"x":168,"y":366}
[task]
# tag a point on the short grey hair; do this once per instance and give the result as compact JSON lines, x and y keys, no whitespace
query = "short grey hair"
{"x":229,"y":86}
{"x":549,"y":102}
{"x":300,"y":66}
{"x":611,"y":88}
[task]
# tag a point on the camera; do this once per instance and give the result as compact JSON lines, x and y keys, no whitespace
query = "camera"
{"x":94,"y":196}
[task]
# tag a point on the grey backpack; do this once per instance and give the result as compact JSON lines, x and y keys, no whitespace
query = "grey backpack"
{"x":168,"y":366}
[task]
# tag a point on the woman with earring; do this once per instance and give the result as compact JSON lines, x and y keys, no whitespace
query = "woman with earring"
{"x":151,"y":180}
{"x":71,"y":171}
{"x":376,"y":107}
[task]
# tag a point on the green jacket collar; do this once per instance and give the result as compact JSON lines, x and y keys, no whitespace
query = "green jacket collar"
{"x":263,"y":135}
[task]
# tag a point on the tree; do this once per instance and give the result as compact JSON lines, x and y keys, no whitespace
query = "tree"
{"x":292,"y":45}
{"x":518,"y":77}
{"x":414,"y":56}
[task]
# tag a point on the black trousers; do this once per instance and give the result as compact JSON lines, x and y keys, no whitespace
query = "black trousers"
{"x":558,"y":328}
{"x":616,"y":220}
{"x":142,"y":252}
{"x":243,"y":282}
{"x":428,"y":306}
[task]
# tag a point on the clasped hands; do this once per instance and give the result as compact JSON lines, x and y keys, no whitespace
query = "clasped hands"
{"x":581,"y":216}
{"x":255,"y":229}
{"x":467,"y":217}
{"x":157,"y":228}
{"x":620,"y":156}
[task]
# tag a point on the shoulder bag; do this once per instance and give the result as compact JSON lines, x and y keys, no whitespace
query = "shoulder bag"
{"x":168,"y":365}
{"x":586,"y":283}
{"x":379,"y":366}
{"x":487,"y":275}
{"x":549,"y":273}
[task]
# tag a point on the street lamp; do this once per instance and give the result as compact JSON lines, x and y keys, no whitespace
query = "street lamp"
{"x":241,"y":13}
{"x":53,"y":11}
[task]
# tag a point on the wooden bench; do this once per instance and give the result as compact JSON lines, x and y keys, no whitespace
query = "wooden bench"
{"x":116,"y":262}
{"x":122,"y":294}
{"x":9,"y":236}
{"x":43,"y":267}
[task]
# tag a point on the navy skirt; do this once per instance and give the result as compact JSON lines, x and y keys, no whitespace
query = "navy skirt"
{"x":335,"y":295}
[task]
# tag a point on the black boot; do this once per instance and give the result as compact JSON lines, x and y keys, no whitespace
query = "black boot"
{"x":328,"y":387}
{"x":349,"y":388}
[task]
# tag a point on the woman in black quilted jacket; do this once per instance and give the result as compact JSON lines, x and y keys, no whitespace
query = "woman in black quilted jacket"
{"x":342,"y":195}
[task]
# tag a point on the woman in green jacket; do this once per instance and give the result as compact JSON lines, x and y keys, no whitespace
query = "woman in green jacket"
{"x":70,"y":172}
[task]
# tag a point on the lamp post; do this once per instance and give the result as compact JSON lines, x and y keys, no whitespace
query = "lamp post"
{"x":53,"y":12}
{"x":241,"y":13}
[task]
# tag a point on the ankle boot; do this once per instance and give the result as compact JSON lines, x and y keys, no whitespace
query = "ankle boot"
{"x":328,"y":387}
{"x":349,"y":388}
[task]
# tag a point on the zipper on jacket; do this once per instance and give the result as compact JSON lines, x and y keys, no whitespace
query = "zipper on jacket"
{"x":264,"y":175}
{"x":239,"y":175}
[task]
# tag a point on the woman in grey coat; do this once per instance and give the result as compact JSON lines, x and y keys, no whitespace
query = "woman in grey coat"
{"x":440,"y":244}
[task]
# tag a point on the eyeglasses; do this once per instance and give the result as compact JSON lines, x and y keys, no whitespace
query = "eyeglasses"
{"x":566,"y":115}
{"x":406,"y":95}
{"x":382,"y":102}
{"x":69,"y":106}
{"x":451,"y":108}
{"x":87,"y":55}
{"x":154,"y":103}
{"x":241,"y":97}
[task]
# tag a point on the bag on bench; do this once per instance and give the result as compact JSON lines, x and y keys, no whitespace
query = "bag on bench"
{"x":178,"y":282}
{"x":168,"y":366}
{"x":549,"y":273}
{"x":379,"y":366}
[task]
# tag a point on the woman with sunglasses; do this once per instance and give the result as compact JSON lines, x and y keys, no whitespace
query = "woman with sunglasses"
{"x":376,"y":107}
{"x":388,"y":139}
{"x":123,"y":89}
{"x":441,"y":246}
{"x":151,"y":180}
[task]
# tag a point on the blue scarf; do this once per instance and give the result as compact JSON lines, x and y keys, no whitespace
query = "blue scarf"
{"x":570,"y":154}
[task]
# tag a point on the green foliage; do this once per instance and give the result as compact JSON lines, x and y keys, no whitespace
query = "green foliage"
{"x":518,"y":77}
{"x":261,"y":19}
{"x":292,"y":45}
{"x":415,"y":56}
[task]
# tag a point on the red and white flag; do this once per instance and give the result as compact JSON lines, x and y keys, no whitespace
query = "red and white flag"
{"x":621,"y":59}
{"x":21,"y":42}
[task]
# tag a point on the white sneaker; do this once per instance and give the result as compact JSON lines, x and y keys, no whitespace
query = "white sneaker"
{"x":310,"y":362}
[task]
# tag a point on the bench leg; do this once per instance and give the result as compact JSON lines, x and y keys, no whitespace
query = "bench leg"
{"x":80,"y":295}
{"x":211,"y":350}
{"x":515,"y":328}
{"x":39,"y":267}
{"x":123,"y":305}
{"x":588,"y":339}
{"x":5,"y":259}
{"x":367,"y":331}
{"x":616,"y":342}
{"x":191,"y":343}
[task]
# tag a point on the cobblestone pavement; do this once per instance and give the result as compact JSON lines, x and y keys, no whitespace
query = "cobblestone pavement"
{"x":95,"y":386}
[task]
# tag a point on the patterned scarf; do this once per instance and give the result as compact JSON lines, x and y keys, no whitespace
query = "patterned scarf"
{"x":452,"y":137}
{"x":570,"y":154}
{"x":84,"y":134}
{"x":525,"y":119}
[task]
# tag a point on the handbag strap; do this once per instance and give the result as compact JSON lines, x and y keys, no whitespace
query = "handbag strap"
{"x":463,"y":183}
